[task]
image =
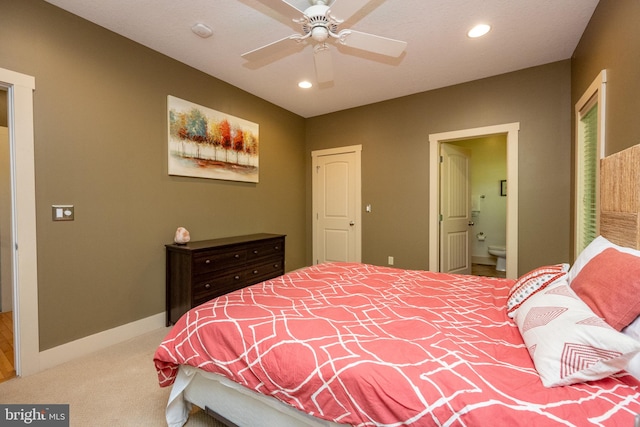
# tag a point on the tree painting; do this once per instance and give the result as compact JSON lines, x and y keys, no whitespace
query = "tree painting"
{"x":205,"y":143}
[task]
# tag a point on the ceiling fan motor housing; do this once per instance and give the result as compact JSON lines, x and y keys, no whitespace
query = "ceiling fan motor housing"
{"x":318,"y":24}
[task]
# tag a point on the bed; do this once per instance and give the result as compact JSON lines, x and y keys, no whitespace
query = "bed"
{"x":363,"y":345}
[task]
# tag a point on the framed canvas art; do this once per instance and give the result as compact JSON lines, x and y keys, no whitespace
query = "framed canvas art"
{"x":205,"y":143}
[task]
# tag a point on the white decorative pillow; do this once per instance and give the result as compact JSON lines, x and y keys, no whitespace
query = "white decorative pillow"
{"x":633,"y":331}
{"x":532,"y":282}
{"x":633,"y":367}
{"x":568,"y":343}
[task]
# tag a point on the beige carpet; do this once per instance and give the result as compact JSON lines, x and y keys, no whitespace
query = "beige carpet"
{"x":114,"y":387}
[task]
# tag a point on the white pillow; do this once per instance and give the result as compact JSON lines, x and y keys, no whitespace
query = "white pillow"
{"x":633,"y":331}
{"x":594,"y":248}
{"x":568,"y":343}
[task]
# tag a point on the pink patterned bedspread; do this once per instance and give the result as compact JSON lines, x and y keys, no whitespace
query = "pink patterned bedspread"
{"x":367,"y":345}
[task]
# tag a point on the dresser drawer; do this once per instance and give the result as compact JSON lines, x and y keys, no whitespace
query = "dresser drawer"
{"x":211,"y":261}
{"x":264,"y":270}
{"x":215,"y":286}
{"x":273,"y":248}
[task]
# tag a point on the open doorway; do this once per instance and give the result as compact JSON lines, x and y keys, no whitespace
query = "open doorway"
{"x":488,"y":205}
{"x":510,"y":130}
{"x":19,"y":90}
{"x":7,"y":358}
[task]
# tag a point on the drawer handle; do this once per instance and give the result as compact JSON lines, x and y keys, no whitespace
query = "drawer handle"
{"x":277,"y":248}
{"x":276,"y":265}
{"x":255,"y":251}
{"x":207,"y":286}
{"x":236,"y":277}
{"x":207,"y":261}
{"x":255,"y":271}
{"x":236,"y":256}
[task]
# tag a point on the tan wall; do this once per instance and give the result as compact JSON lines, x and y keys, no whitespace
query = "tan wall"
{"x":612,"y":42}
{"x":395,"y":160}
{"x":101,"y":144}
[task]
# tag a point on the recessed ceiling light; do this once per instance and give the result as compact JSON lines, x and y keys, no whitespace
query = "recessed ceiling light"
{"x":479,"y":30}
{"x":304,"y":84}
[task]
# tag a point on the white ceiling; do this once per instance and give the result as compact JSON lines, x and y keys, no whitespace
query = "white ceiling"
{"x":525,"y":33}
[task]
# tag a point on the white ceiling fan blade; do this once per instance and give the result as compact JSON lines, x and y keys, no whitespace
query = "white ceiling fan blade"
{"x":372,"y":43}
{"x":324,"y":65}
{"x":345,"y":9}
{"x":271,"y":48}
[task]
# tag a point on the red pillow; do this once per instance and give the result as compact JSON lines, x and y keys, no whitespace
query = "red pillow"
{"x":610,"y":285}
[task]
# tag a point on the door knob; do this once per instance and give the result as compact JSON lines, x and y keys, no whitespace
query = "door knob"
{"x":471,"y":223}
{"x":351,"y":223}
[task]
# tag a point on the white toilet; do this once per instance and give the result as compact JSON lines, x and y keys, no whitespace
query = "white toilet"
{"x":501,"y":253}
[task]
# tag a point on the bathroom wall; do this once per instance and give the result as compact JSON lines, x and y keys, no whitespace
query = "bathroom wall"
{"x":488,"y":168}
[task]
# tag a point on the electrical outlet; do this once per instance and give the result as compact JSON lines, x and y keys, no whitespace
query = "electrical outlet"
{"x":390,"y":260}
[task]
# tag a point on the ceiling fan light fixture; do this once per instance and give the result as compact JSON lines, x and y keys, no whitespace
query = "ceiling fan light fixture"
{"x":479,"y":31}
{"x":319,"y":34}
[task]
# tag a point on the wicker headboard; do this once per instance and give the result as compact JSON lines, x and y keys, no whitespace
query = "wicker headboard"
{"x":620,"y":197}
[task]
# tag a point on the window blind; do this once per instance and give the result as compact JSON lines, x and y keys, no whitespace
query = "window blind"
{"x":588,"y":216}
{"x":590,"y":113}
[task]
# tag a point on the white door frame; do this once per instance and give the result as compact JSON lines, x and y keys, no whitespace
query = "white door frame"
{"x":357,"y":149}
{"x":511,"y":129}
{"x":25,"y":275}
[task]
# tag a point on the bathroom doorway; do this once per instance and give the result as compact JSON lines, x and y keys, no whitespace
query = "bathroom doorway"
{"x":510,"y":130}
{"x":488,"y":216}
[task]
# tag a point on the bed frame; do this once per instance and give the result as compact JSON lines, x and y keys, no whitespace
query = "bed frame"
{"x":620,"y":197}
{"x":619,"y":222}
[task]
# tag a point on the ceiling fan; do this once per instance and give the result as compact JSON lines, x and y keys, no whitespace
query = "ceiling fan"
{"x":320,"y":23}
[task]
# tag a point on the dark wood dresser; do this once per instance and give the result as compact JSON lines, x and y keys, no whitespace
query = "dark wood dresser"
{"x":199,"y":271}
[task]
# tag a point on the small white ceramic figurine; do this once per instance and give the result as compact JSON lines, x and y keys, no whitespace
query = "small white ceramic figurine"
{"x":182,"y":236}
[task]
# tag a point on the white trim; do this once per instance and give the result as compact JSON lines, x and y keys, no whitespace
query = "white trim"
{"x":511,"y":129}
{"x":25,"y":267}
{"x":357,"y":149}
{"x":597,"y":87}
{"x":92,"y":343}
{"x":595,"y":93}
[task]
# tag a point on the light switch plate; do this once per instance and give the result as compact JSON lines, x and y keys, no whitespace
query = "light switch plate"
{"x":62,"y":212}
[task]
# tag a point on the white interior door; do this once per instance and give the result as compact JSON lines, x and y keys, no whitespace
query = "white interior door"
{"x":455,"y":210}
{"x":336,"y":205}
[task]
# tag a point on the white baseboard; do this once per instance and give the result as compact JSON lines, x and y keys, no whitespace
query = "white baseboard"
{"x":87,"y":345}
